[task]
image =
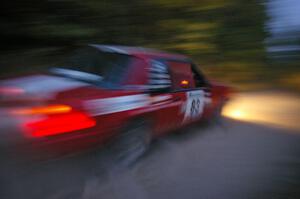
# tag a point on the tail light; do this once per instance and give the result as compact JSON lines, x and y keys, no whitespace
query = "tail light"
{"x":53,"y":120}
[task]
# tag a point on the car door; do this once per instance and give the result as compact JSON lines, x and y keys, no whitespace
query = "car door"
{"x":203,"y":102}
{"x":191,"y":88}
{"x":166,"y":105}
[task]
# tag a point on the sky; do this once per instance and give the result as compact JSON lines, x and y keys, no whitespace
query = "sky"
{"x":285,"y":15}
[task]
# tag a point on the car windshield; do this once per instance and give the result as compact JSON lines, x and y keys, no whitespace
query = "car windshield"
{"x":90,"y":64}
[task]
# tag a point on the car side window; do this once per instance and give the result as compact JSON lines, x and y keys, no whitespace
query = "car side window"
{"x":159,"y":77}
{"x":199,"y":78}
{"x":109,"y":67}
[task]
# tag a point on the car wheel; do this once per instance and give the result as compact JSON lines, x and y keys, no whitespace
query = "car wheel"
{"x":131,"y":143}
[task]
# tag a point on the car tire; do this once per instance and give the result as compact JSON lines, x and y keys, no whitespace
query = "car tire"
{"x":132,"y":143}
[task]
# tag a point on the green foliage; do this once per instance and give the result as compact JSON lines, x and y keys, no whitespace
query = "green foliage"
{"x":216,"y":33}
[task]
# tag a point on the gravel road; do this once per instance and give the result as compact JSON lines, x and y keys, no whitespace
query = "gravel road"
{"x":229,"y":159}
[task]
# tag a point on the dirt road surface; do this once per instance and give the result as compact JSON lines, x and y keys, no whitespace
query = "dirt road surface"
{"x":228,"y":159}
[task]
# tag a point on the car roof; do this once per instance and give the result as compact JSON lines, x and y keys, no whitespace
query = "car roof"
{"x":136,"y":51}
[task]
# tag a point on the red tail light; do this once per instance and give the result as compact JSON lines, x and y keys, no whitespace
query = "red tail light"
{"x":54,"y":120}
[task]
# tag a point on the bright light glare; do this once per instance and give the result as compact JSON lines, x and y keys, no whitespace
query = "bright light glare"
{"x":236,"y":114}
{"x":279,"y":109}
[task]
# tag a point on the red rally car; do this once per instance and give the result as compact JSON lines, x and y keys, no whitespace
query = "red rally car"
{"x":101,"y":92}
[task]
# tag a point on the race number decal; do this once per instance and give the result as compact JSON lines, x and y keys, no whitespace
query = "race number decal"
{"x":194,"y":105}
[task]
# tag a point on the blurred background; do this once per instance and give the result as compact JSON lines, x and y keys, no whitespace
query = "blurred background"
{"x":252,"y":44}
